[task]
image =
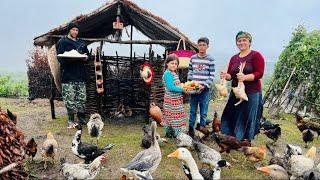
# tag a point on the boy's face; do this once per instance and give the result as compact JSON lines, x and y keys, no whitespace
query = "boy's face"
{"x":74,"y":32}
{"x":202,"y":46}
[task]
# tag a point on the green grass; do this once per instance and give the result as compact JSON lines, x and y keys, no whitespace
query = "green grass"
{"x":127,"y":138}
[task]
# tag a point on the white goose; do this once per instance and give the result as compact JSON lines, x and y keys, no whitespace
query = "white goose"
{"x":192,"y":171}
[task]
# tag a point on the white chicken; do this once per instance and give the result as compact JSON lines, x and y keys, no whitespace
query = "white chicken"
{"x":81,"y":170}
{"x":298,"y":164}
{"x":222,"y":88}
{"x":95,"y":126}
{"x":239,"y":91}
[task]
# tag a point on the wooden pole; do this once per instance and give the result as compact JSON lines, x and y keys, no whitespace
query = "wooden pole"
{"x":131,"y":65}
{"x":124,"y":42}
{"x":149,"y":87}
{"x":53,"y":94}
{"x":276,"y":112}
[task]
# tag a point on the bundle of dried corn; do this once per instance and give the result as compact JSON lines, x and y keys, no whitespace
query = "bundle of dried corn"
{"x":12,"y":149}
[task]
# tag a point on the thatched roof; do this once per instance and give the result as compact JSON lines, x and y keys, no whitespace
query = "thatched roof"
{"x":98,"y":24}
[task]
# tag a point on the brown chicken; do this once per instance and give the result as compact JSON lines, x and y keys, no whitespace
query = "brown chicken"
{"x":228,"y":143}
{"x":255,"y":154}
{"x":31,"y":148}
{"x":49,"y":149}
{"x":216,"y":123}
{"x":303,"y":125}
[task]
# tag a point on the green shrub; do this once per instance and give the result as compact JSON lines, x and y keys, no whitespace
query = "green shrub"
{"x":11,"y":88}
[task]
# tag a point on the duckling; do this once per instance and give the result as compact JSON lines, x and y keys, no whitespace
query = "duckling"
{"x":145,"y":162}
{"x":274,"y":171}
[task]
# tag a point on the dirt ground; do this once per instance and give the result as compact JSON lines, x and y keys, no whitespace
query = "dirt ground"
{"x":34,"y":118}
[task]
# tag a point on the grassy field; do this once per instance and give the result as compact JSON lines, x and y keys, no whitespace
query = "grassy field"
{"x":127,"y":138}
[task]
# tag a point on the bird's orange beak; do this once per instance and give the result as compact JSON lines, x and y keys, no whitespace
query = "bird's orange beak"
{"x":265,"y":169}
{"x":175,"y":154}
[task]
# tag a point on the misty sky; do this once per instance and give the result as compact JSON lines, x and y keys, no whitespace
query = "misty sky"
{"x":270,"y":22}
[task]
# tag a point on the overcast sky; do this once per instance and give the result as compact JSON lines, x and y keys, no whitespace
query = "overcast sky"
{"x":270,"y":22}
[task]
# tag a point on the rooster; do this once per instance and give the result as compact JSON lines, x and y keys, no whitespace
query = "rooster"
{"x":216,"y":124}
{"x":31,"y":148}
{"x":49,"y":149}
{"x":85,"y":151}
{"x":95,"y":126}
{"x":81,"y":171}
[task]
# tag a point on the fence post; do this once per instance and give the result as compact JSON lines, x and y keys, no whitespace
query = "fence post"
{"x":53,"y":94}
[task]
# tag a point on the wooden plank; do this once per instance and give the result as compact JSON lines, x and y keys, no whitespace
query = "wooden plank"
{"x":123,"y":42}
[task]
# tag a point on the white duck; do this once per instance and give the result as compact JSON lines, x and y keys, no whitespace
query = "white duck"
{"x":146,"y":161}
{"x":192,"y":171}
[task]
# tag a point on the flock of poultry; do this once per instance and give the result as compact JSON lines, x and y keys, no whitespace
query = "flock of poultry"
{"x":292,"y":164}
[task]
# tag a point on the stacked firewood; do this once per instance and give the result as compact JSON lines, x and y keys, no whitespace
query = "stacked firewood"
{"x":12,"y":146}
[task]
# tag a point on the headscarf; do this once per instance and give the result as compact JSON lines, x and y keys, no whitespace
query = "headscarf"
{"x":242,"y":34}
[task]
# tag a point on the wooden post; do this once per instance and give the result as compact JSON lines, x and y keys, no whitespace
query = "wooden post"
{"x":118,"y":82}
{"x":53,"y":94}
{"x":149,"y":87}
{"x":131,"y":66}
{"x":278,"y":100}
{"x":100,"y":95}
{"x":266,"y":96}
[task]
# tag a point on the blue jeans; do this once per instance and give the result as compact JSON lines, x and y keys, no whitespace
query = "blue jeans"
{"x":202,"y":100}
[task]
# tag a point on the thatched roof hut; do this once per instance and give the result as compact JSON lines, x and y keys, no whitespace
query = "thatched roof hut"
{"x":97,"y":25}
{"x":123,"y":85}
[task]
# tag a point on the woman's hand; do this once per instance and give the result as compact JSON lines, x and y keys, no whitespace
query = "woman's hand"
{"x":223,"y":75}
{"x":241,"y":77}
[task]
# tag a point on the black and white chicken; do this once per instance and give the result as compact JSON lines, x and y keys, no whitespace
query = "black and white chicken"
{"x":95,"y":126}
{"x":80,"y":170}
{"x":86,"y":151}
